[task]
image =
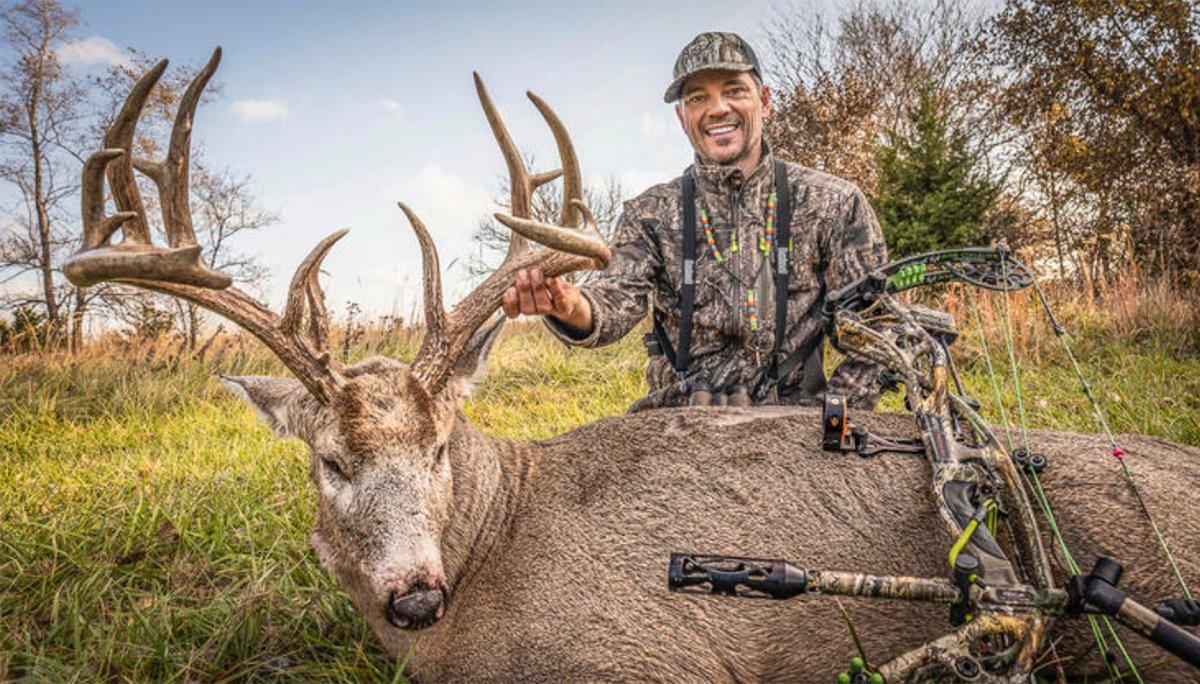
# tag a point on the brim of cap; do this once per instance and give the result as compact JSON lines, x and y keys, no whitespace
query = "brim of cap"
{"x":672,"y":93}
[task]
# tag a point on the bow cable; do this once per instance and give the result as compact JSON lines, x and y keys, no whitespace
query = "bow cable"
{"x":1034,"y":483}
{"x":1117,"y":452}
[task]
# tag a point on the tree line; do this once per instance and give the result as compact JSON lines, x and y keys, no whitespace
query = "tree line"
{"x":1065,"y":128}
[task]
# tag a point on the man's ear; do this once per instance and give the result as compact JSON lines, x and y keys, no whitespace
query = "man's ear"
{"x":472,"y":365}
{"x":276,"y":400}
{"x":766,"y":101}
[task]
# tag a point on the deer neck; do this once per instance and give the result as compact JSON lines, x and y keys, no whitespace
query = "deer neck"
{"x":489,"y":475}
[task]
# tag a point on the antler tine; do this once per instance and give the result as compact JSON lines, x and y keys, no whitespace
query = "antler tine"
{"x":521,"y":183}
{"x":171,"y":174}
{"x":97,"y":228}
{"x":572,"y":180}
{"x":120,"y":175}
{"x":431,"y":277}
{"x":304,"y":280}
{"x":433,"y":358}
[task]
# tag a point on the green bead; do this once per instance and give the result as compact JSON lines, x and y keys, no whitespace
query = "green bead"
{"x":856,"y":664}
{"x":843,"y":678}
{"x":876,"y":678}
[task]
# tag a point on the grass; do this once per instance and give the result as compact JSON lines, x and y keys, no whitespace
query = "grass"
{"x":151,"y":529}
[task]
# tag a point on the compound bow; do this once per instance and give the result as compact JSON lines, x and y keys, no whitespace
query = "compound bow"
{"x":1008,"y":605}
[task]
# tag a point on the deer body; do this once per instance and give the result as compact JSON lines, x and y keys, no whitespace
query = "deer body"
{"x":569,"y":583}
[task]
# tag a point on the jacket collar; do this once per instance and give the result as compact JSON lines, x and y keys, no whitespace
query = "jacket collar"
{"x":731,"y":177}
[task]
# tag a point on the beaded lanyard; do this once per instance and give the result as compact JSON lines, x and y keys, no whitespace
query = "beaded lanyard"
{"x":765,"y":242}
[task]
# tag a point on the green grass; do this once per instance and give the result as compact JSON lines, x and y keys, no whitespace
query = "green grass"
{"x":151,"y":529}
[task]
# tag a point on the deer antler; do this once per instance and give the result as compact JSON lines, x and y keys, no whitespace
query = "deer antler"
{"x":571,"y":248}
{"x":299,"y":340}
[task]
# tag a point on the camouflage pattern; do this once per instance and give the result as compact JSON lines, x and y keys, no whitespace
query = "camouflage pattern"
{"x":711,"y":51}
{"x":835,"y":239}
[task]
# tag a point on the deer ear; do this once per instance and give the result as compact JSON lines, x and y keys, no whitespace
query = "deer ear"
{"x":472,"y":365}
{"x":276,"y":400}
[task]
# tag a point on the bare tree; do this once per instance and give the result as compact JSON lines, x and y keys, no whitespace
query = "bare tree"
{"x":491,"y":239}
{"x":41,"y":113}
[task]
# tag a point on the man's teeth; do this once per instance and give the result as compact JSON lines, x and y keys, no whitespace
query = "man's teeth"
{"x":721,"y":129}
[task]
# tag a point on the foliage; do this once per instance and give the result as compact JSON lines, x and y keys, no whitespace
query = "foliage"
{"x":931,"y":194}
{"x":30,"y":330}
{"x":1108,"y":94}
{"x":840,"y":84}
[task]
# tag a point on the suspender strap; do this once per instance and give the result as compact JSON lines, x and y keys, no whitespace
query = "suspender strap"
{"x":687,"y":294}
{"x":680,"y":355}
{"x":783,"y":236}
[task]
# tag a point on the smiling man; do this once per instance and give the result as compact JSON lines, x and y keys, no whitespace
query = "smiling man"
{"x":733,"y":258}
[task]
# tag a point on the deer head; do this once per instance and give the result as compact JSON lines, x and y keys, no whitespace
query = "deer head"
{"x":380,"y":431}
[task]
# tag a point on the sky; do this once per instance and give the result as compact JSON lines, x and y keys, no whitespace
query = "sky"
{"x":338,"y":110}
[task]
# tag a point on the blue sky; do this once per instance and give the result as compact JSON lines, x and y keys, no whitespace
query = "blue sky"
{"x":340,"y":109}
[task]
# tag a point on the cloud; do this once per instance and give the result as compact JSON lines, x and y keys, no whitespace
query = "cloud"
{"x":93,"y":50}
{"x":654,"y":127}
{"x":261,"y":110}
{"x":454,"y":205}
{"x":389,"y":106}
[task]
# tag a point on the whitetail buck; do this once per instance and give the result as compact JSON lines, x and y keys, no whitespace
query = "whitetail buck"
{"x":516,"y":561}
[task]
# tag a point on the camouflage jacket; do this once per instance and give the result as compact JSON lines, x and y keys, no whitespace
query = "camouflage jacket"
{"x":835,"y":239}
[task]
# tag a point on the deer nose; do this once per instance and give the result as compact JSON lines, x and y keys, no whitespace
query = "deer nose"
{"x":417,"y":609}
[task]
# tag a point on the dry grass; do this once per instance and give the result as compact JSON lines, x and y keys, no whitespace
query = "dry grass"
{"x":151,"y":529}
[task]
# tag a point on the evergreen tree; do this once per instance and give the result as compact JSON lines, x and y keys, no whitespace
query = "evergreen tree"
{"x":931,"y":194}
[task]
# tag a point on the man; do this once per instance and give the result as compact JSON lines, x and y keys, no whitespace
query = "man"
{"x":715,"y":309}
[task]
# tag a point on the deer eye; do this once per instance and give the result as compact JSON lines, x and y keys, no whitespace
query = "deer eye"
{"x":333,"y":467}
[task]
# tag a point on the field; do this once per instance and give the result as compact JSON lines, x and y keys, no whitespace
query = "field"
{"x":152,"y":529}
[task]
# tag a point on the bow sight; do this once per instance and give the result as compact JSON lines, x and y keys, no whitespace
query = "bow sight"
{"x":975,"y":480}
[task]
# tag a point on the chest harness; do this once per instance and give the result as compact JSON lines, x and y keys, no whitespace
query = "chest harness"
{"x":779,"y":366}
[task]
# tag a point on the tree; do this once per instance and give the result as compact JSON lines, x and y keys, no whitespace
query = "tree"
{"x":41,"y":113}
{"x":1110,"y":91}
{"x":839,"y":86}
{"x":931,"y":194}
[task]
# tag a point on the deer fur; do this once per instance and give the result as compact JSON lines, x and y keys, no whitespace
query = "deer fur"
{"x":552,"y":554}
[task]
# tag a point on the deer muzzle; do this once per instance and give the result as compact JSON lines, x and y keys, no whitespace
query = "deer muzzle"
{"x":418,"y":609}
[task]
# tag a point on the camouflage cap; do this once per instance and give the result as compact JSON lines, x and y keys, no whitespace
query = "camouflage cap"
{"x":711,"y":50}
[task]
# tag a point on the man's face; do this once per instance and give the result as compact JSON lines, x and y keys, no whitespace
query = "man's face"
{"x":722,"y":114}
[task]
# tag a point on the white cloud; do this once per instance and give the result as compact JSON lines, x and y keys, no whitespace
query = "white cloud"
{"x":653,"y":127}
{"x":389,"y":106}
{"x":453,"y":206}
{"x":261,"y":110}
{"x":93,"y":50}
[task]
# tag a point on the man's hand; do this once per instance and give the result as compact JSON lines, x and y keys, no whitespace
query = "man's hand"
{"x":532,"y":293}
